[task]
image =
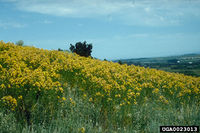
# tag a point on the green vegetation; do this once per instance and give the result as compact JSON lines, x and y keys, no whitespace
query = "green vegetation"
{"x":188,"y":64}
{"x":20,"y":43}
{"x":52,"y":91}
{"x":82,"y":49}
{"x":84,"y":117}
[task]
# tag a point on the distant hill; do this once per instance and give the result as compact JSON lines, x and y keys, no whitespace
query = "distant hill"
{"x":192,"y":56}
{"x":188,"y":64}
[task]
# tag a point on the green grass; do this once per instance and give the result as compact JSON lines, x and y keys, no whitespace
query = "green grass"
{"x":73,"y":118}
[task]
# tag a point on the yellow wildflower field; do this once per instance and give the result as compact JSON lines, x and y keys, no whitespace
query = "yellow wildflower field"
{"x":29,"y":74}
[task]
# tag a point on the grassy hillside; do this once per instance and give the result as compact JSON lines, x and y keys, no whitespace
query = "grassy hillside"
{"x":54,"y":91}
{"x":188,"y":64}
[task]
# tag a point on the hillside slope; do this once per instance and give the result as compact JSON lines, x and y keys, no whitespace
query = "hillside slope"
{"x":36,"y":81}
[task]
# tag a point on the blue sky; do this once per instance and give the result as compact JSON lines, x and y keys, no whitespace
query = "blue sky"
{"x":117,"y":29}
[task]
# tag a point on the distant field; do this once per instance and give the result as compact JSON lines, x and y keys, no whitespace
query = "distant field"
{"x":188,"y":64}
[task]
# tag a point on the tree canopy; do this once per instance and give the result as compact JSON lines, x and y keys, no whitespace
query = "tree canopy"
{"x":81,"y":48}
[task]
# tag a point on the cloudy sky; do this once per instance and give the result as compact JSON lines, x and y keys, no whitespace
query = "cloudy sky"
{"x":116,"y":28}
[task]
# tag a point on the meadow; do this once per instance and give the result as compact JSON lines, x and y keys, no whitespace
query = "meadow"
{"x":52,"y":91}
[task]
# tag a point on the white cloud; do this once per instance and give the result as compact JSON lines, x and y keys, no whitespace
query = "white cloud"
{"x":6,"y":25}
{"x":73,"y":8}
{"x":133,"y":12}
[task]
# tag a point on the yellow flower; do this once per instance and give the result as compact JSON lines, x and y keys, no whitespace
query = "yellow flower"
{"x":49,"y":71}
{"x":10,"y":102}
{"x":84,"y":95}
{"x":117,"y":95}
{"x":156,"y":90}
{"x":82,"y":130}
{"x":109,"y":99}
{"x":98,"y":94}
{"x":137,"y":94}
{"x":61,"y":89}
{"x":70,"y":99}
{"x":3,"y":86}
{"x":20,"y":97}
{"x":90,"y":99}
{"x":63,"y":98}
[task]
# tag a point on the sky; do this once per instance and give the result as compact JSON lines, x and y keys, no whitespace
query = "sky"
{"x":117,"y":29}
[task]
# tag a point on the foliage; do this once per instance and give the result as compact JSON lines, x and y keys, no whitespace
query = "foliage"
{"x":172,"y":61}
{"x":27,"y":77}
{"x":120,"y":62}
{"x":84,"y":117}
{"x":20,"y":43}
{"x":59,"y":49}
{"x":186,"y":64}
{"x":82,"y":49}
{"x":43,"y":88}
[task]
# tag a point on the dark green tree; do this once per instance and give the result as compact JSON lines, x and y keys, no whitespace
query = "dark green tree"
{"x":59,"y":49}
{"x":82,"y":49}
{"x":120,"y":62}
